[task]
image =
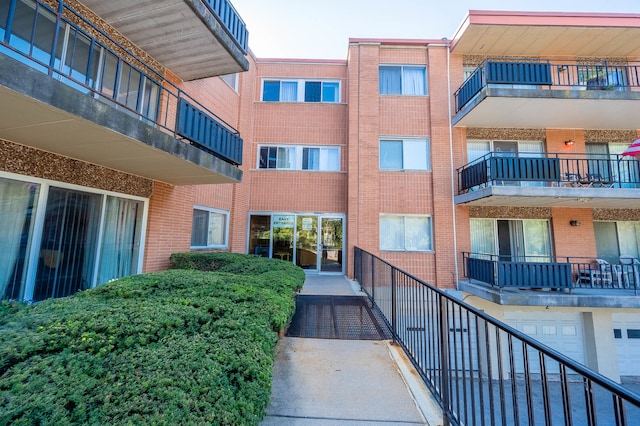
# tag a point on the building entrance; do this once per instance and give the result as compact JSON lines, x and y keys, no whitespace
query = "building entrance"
{"x":313,"y":242}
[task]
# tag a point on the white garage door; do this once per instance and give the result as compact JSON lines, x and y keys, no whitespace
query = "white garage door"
{"x":626,"y":330}
{"x":560,"y":331}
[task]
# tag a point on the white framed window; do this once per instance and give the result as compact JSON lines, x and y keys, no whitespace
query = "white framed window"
{"x":405,"y":154}
{"x":405,"y":233}
{"x":299,"y":157}
{"x":210,"y":228}
{"x":313,"y":91}
{"x":409,"y":80}
{"x":231,"y":80}
{"x":59,"y":238}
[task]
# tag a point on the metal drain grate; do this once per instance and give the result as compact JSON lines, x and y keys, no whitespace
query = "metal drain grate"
{"x":336,"y":317}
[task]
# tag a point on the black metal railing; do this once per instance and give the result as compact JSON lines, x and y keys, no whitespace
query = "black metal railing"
{"x":553,"y":169}
{"x":64,"y":45}
{"x":548,"y":75}
{"x":547,"y":272}
{"x":480,"y":370}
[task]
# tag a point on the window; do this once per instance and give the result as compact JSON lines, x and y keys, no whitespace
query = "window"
{"x":209,"y":228}
{"x":277,"y":157}
{"x":513,"y":240}
{"x":326,"y":159}
{"x":231,"y":80}
{"x":301,"y":91}
{"x":405,"y":233}
{"x":403,"y":80}
{"x":298,"y":157}
{"x":54,"y":248}
{"x":405,"y":154}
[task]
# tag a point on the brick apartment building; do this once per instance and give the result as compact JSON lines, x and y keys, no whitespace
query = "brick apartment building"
{"x":488,"y":164}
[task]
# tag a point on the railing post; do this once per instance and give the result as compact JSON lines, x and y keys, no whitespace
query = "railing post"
{"x":373,"y":279}
{"x":394,"y":312}
{"x":444,"y":359}
{"x":54,"y":44}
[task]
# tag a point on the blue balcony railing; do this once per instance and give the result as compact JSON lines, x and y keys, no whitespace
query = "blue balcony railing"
{"x":557,"y":170}
{"x":234,"y":25}
{"x":64,"y":45}
{"x":548,"y":75}
{"x":547,"y":272}
{"x":482,"y":371}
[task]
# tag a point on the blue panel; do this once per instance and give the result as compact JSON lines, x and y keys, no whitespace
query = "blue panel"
{"x":271,"y":91}
{"x":202,"y":129}
{"x":526,"y":73}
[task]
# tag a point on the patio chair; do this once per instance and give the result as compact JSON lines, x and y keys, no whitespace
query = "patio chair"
{"x":631,"y":271}
{"x":600,"y":274}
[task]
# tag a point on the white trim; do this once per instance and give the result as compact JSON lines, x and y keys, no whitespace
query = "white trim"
{"x":404,"y":217}
{"x":65,"y":185}
{"x":300,"y":91}
{"x":38,"y":224}
{"x":224,"y":213}
{"x":298,"y":158}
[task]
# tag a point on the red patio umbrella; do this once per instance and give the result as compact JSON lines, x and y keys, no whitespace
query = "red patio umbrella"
{"x":633,"y":150}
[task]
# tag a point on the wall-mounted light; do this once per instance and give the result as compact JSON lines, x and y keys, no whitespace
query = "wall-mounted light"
{"x":569,"y":142}
{"x":574,"y":223}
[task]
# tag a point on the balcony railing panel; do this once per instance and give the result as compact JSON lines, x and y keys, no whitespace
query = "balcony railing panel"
{"x":227,"y":14}
{"x":548,"y":75}
{"x":553,"y":169}
{"x":202,"y":129}
{"x":56,"y":43}
{"x":480,"y":370}
{"x":547,"y":272}
{"x":518,"y":73}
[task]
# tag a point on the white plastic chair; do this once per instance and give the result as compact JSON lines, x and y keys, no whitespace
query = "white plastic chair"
{"x":631,"y":270}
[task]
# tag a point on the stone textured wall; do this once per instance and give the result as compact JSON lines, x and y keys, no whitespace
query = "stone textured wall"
{"x":511,"y":212}
{"x":505,"y":134}
{"x":28,"y":161}
{"x":616,"y":214}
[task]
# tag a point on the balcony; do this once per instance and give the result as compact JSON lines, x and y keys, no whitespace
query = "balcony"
{"x":551,"y":281}
{"x":193,"y":38}
{"x":551,"y":180}
{"x":549,"y":95}
{"x":95,"y":101}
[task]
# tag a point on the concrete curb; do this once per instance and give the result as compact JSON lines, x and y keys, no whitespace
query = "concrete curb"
{"x":426,"y":403}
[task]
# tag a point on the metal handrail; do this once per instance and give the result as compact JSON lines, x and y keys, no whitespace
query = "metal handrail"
{"x":480,"y":370}
{"x":550,"y":169}
{"x":549,"y":272}
{"x":549,"y":75}
{"x":159,"y":111}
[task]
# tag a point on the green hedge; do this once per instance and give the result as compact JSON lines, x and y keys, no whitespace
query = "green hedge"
{"x":173,"y":347}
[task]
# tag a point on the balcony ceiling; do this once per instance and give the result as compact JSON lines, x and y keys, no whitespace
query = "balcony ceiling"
{"x":27,"y":121}
{"x":182,"y":35}
{"x":583,"y":198}
{"x":535,"y":34}
{"x":551,"y":109}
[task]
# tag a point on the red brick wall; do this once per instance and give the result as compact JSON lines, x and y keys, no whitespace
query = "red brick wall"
{"x":297,"y":124}
{"x":168,"y":225}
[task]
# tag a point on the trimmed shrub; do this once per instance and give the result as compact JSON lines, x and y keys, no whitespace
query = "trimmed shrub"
{"x":172,"y":347}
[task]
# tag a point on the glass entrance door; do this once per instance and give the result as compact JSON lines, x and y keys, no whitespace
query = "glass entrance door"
{"x":307,"y":242}
{"x":331,"y":245}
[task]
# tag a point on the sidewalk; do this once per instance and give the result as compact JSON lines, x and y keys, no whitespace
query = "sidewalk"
{"x":345,"y":382}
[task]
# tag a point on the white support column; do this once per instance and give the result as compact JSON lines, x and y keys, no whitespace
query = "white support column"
{"x":599,"y":341}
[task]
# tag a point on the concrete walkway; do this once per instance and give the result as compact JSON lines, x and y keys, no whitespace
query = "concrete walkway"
{"x":345,"y":382}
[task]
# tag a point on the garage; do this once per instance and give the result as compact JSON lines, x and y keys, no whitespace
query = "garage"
{"x":626,"y":331}
{"x":562,"y":331}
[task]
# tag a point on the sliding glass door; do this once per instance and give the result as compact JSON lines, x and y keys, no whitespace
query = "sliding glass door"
{"x":58,"y":240}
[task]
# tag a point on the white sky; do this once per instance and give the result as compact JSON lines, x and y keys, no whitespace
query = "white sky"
{"x":320,"y":29}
